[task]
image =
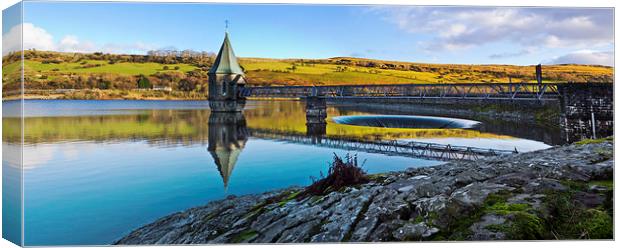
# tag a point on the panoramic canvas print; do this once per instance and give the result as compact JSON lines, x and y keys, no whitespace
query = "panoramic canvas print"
{"x":137,"y":123}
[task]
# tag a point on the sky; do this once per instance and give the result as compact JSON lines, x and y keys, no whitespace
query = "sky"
{"x":463,"y":35}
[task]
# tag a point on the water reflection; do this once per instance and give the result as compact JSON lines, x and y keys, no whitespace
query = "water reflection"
{"x":11,"y":192}
{"x":405,"y":121}
{"x":228,"y":135}
{"x":12,"y":168}
{"x":507,"y":127}
{"x":186,"y":125}
{"x":94,"y":173}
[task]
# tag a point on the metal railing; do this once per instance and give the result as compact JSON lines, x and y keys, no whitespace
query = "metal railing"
{"x":434,"y":151}
{"x":528,"y":91}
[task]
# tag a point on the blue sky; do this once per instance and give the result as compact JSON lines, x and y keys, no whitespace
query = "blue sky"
{"x":418,"y":34}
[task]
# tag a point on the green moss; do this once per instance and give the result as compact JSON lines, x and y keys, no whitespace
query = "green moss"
{"x":499,"y":197}
{"x":599,"y":225}
{"x":458,"y":229}
{"x":605,"y":183}
{"x":526,"y":226}
{"x":281,"y":199}
{"x":379,"y":177}
{"x":603,"y":155}
{"x":594,"y":141}
{"x":603,"y":151}
{"x":575,"y":185}
{"x":503,"y":208}
{"x":256,"y":210}
{"x":565,"y":218}
{"x":523,"y":224}
{"x":418,"y":219}
{"x":244,"y":236}
{"x":258,"y":206}
{"x":291,"y":196}
{"x":571,"y":220}
{"x":432,"y":216}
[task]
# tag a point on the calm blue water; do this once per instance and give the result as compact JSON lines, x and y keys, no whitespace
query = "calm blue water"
{"x":93,"y":193}
{"x":11,"y":194}
{"x":95,"y":170}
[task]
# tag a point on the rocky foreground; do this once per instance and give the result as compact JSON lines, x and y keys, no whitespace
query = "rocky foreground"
{"x":559,"y":193}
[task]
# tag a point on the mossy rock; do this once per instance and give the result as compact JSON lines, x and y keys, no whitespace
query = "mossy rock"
{"x":594,"y":141}
{"x":291,"y":195}
{"x":378,"y":178}
{"x":599,"y":225}
{"x":503,"y":208}
{"x":526,"y":226}
{"x":244,"y":236}
{"x":571,"y":220}
{"x":605,"y":183}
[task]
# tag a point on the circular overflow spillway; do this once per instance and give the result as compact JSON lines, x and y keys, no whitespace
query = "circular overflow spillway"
{"x":406,"y":121}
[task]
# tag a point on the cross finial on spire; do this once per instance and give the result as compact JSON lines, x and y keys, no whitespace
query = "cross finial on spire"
{"x":226,"y":22}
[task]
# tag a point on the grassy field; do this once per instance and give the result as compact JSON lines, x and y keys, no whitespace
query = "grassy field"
{"x":37,"y":69}
{"x":123,"y":68}
{"x":330,"y":72}
{"x":53,"y":70}
{"x":277,"y":72}
{"x":259,"y":72}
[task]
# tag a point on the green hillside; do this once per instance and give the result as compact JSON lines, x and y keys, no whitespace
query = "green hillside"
{"x":185,"y":76}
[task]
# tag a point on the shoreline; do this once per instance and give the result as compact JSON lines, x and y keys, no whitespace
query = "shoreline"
{"x":41,"y":98}
{"x":61,"y":97}
{"x":503,"y":198}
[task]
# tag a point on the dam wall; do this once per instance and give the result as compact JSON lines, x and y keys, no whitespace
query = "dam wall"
{"x":583,"y":110}
{"x":586,"y":111}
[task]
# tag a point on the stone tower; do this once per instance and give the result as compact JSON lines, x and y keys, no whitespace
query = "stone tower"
{"x":226,"y":79}
{"x":228,"y":134}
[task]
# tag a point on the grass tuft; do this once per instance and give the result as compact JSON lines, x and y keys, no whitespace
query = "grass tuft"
{"x":342,"y":173}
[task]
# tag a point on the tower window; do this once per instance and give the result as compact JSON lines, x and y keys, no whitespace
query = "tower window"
{"x":224,"y":89}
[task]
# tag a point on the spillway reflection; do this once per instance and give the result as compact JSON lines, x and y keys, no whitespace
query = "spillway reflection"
{"x":406,"y":121}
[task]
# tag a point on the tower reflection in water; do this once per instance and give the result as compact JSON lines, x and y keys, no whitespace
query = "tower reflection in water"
{"x":228,"y":135}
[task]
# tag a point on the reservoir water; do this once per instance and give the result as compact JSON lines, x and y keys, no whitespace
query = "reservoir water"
{"x":95,"y":170}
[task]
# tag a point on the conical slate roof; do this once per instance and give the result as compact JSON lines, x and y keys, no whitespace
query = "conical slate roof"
{"x":226,"y":61}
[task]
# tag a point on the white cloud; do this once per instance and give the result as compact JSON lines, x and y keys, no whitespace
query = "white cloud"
{"x":461,"y":27}
{"x":586,"y":57}
{"x":72,"y":43}
{"x":38,"y":38}
{"x":11,"y":40}
{"x":33,"y":37}
{"x":524,"y":51}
